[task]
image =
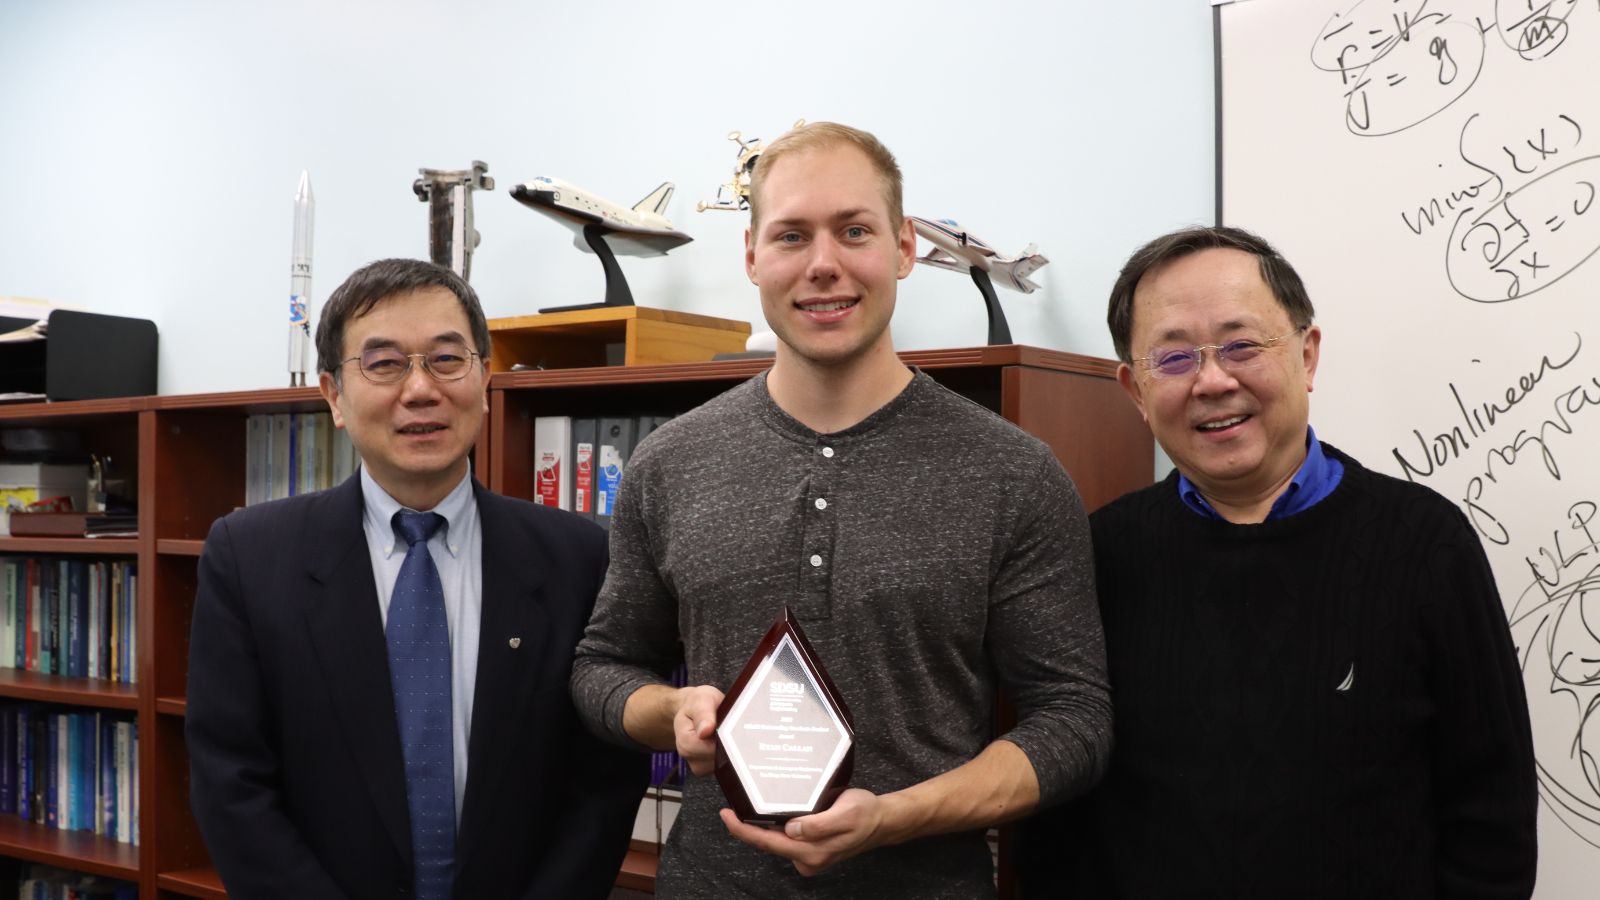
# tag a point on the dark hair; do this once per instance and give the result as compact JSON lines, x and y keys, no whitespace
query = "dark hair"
{"x":1281,"y":278}
{"x":375,"y":282}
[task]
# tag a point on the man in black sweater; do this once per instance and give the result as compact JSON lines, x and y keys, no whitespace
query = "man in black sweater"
{"x":1316,"y":693}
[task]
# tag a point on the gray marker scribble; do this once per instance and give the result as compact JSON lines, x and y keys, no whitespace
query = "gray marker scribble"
{"x":1556,"y":627}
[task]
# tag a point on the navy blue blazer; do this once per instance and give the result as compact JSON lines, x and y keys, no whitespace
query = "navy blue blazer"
{"x":296,"y":776}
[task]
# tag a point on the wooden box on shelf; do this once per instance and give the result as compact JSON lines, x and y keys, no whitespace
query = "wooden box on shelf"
{"x":581,"y":338}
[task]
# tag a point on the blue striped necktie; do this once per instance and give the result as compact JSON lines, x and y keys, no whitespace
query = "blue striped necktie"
{"x":419,"y":673}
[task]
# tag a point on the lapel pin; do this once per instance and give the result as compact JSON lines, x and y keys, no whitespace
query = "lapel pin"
{"x":515,"y":643}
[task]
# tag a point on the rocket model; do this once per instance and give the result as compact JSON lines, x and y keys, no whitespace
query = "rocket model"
{"x":305,"y":209}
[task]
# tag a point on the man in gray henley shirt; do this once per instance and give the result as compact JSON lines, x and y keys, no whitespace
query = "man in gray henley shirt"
{"x":932,"y":551}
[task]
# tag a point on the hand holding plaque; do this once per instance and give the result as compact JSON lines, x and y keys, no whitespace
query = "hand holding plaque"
{"x":785,"y":741}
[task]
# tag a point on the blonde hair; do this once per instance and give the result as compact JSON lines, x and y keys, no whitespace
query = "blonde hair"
{"x":818,"y":136}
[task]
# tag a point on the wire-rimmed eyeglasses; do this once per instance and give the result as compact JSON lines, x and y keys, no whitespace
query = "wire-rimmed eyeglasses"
{"x":1177,"y":362}
{"x":387,"y":365}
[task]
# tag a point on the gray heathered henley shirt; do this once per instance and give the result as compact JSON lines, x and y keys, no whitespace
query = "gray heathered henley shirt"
{"x":933,"y":553}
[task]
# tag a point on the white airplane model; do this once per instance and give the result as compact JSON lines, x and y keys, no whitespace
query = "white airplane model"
{"x":642,"y":230}
{"x":961,"y":251}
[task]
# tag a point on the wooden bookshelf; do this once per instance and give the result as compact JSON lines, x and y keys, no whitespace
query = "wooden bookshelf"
{"x":189,"y":457}
{"x":20,"y":684}
{"x":56,"y":546}
{"x":75,"y":850}
{"x":202,"y":883}
{"x":639,"y":868}
{"x":108,"y":428}
{"x":192,"y":473}
{"x":71,"y":413}
{"x":180,"y":547}
{"x":187,"y":454}
{"x":1047,"y":393}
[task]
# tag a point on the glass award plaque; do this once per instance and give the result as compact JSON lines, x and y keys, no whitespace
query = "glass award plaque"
{"x":785,"y":744}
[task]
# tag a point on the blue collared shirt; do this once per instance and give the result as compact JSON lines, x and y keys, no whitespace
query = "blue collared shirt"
{"x":1317,"y":478}
{"x":457,"y":551}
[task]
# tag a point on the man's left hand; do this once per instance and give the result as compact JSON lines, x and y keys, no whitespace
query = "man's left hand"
{"x":814,"y":843}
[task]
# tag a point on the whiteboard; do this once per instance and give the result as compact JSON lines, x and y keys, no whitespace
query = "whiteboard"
{"x":1430,"y":168}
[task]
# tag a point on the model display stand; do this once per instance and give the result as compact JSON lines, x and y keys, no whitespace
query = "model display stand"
{"x":611,"y":335}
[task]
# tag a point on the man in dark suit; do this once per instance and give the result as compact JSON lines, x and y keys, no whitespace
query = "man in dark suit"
{"x":378,"y":700}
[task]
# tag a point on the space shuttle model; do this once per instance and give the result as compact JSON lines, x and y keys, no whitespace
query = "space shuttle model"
{"x":639,"y":230}
{"x":605,"y":228}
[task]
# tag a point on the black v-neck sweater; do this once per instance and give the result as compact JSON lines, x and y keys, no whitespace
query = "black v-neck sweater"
{"x":1326,"y":705}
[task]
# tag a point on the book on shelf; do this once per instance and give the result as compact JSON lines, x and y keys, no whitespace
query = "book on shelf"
{"x":552,"y":466}
{"x":8,"y":763}
{"x":578,"y":461}
{"x":34,"y":881}
{"x":9,"y":619}
{"x":282,"y":451}
{"x":126,"y":750}
{"x":287,"y":454}
{"x":108,"y":822}
{"x":583,"y":435}
{"x":55,"y":770}
{"x":69,"y":769}
{"x":23,"y":484}
{"x":69,"y":616}
{"x":615,"y":445}
{"x":255,"y":440}
{"x":666,"y":766}
{"x":645,"y":425}
{"x":74,"y":524}
{"x":77,"y":607}
{"x":94,"y":627}
{"x":130,"y":635}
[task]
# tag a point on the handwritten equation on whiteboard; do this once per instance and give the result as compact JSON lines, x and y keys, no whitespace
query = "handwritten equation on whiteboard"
{"x":1400,"y":63}
{"x":1524,"y":215}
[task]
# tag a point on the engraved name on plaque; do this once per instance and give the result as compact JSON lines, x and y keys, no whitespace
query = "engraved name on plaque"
{"x":785,"y":745}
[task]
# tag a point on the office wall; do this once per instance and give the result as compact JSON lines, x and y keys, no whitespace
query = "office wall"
{"x":149,"y":152}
